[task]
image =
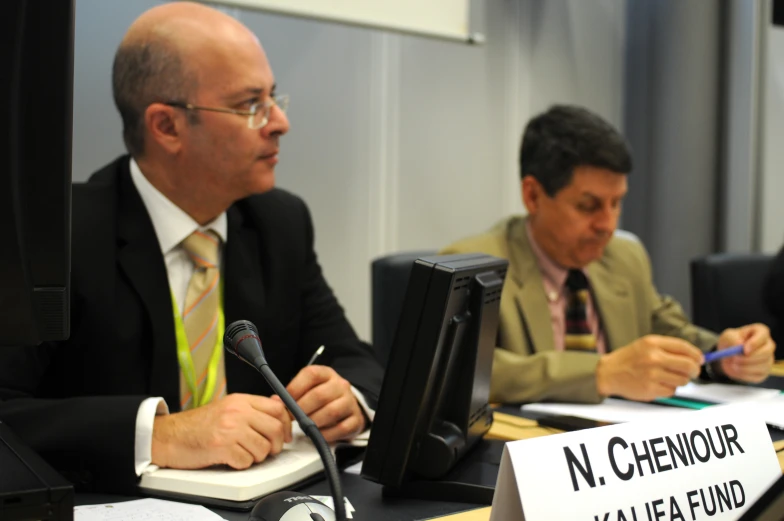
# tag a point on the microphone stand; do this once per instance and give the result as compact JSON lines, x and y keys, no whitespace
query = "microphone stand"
{"x":311,"y":430}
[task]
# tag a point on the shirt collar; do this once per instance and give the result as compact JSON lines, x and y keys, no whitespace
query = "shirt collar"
{"x":172,"y":225}
{"x":551,"y":270}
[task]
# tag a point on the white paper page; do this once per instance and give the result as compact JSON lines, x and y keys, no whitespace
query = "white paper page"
{"x":327,"y":500}
{"x":611,"y":410}
{"x":144,"y":510}
{"x":360,"y":440}
{"x":724,"y":393}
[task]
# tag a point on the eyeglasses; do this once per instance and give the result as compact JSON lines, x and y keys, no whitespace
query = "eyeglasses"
{"x":258,"y":113}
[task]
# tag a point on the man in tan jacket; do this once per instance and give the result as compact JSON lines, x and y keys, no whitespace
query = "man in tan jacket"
{"x":580,"y":316}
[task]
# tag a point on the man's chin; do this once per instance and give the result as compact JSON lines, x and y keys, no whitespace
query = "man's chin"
{"x":590,"y":255}
{"x":263,"y":182}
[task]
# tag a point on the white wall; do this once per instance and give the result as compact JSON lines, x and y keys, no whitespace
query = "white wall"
{"x":397,"y":142}
{"x":772,"y":153}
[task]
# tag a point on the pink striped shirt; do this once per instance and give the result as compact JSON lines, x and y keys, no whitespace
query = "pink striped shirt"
{"x":554,"y":278}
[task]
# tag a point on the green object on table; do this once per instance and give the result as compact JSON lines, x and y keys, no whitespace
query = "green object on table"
{"x":682,"y":402}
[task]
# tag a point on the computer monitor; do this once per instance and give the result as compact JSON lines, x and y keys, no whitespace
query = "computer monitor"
{"x":433,"y":408}
{"x":36,"y":99}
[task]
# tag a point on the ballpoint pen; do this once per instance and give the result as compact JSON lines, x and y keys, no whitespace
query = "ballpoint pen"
{"x":724,"y":353}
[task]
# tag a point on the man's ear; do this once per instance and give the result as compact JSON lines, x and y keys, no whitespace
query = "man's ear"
{"x":163,"y":124}
{"x":532,"y":192}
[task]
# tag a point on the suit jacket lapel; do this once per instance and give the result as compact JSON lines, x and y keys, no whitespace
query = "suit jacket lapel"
{"x":530,"y":295}
{"x":139,"y":256}
{"x":612,"y":296}
{"x":243,"y":291}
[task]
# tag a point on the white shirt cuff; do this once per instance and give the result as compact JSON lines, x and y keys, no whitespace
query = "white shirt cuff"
{"x":362,"y":403}
{"x":145,"y":417}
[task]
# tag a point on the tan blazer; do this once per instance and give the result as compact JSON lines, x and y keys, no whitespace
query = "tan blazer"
{"x":526,"y":366}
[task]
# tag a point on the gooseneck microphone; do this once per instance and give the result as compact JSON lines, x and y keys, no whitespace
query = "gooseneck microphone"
{"x":242,"y":340}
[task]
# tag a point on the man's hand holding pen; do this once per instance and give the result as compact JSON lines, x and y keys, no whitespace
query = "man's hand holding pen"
{"x":327,"y":398}
{"x":758,"y":348}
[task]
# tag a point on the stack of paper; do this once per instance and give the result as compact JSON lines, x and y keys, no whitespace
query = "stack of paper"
{"x":724,"y":393}
{"x":769,"y":403}
{"x":144,"y":510}
{"x":611,"y":410}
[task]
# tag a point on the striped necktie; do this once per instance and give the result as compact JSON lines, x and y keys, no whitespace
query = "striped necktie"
{"x":578,"y":335}
{"x":200,"y":315}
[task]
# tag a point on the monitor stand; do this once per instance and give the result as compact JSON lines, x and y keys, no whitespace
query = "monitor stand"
{"x":472,"y":480}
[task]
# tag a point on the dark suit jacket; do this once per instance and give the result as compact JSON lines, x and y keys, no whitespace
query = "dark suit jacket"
{"x":75,"y":402}
{"x":774,"y":300}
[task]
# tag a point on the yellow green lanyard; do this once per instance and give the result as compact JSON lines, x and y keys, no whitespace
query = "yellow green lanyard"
{"x":186,"y":361}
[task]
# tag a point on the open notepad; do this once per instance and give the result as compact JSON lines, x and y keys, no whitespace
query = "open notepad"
{"x":610,"y":410}
{"x":298,"y":461}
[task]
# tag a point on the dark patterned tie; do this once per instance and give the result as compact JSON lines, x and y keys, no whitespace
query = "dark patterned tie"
{"x":578,"y":335}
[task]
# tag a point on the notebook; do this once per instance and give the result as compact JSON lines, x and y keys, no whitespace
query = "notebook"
{"x":298,"y":461}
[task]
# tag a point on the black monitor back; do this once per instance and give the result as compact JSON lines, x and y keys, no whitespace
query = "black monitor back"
{"x":36,"y":93}
{"x":434,"y":400}
{"x":29,"y":488}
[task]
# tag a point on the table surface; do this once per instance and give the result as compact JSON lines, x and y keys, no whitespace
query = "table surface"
{"x":366,"y":497}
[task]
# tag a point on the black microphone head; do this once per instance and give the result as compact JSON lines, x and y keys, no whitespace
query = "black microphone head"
{"x":242,"y":340}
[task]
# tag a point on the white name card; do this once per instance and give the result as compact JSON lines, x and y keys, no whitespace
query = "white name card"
{"x":706,"y":465}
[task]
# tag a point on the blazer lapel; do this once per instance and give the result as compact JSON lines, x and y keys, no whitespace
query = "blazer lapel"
{"x":140,"y":258}
{"x":243,"y":297}
{"x":613,"y":300}
{"x":529,"y":295}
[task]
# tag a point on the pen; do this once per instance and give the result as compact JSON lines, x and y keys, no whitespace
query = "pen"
{"x":724,"y":353}
{"x":316,"y":355}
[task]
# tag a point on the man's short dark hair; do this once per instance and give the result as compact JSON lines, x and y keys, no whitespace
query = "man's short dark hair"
{"x":566,"y":137}
{"x":144,"y":73}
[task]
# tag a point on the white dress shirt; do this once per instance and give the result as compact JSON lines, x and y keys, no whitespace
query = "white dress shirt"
{"x":172,"y":225}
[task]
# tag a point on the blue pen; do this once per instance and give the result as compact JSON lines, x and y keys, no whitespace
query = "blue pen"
{"x":724,"y":353}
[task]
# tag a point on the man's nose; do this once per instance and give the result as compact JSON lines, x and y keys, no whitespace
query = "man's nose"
{"x":606,"y":221}
{"x":278,"y":123}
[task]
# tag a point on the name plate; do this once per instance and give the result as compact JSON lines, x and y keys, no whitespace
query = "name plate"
{"x":706,"y":465}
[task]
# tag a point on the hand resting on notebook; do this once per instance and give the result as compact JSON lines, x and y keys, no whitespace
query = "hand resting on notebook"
{"x":238,"y":430}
